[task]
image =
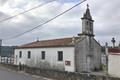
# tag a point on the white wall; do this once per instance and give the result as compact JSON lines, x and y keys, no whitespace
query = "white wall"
{"x":114,"y":65}
{"x":51,"y":57}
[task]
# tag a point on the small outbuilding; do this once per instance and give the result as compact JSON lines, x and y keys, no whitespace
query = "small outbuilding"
{"x":114,"y":62}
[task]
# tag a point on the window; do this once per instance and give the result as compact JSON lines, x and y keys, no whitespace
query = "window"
{"x":20,"y":54}
{"x":91,"y":27}
{"x":43,"y":55}
{"x":87,"y":23}
{"x":60,"y":55}
{"x":29,"y":54}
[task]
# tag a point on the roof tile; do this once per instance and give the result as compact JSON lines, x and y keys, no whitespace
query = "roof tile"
{"x":64,"y":42}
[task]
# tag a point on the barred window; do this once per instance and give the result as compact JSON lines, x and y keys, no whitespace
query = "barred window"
{"x":43,"y":55}
{"x":29,"y":54}
{"x":60,"y":55}
{"x":20,"y":54}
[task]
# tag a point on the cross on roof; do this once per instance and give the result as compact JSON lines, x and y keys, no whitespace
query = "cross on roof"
{"x":87,"y":5}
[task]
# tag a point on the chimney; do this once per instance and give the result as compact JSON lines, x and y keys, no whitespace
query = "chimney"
{"x":73,"y":40}
{"x":37,"y":40}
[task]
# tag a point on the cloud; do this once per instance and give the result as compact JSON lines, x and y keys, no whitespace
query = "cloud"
{"x":104,"y":12}
{"x":2,"y":2}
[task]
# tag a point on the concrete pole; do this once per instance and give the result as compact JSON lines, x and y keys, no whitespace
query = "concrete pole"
{"x":0,"y":46}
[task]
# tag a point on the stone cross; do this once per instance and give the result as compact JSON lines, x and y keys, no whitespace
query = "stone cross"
{"x":113,"y":41}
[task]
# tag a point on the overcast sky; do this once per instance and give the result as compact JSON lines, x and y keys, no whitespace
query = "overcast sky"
{"x":106,"y":14}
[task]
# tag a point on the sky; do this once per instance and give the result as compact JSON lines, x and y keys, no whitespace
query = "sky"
{"x":104,"y":12}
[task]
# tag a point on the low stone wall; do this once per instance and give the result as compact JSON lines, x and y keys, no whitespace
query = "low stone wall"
{"x":10,"y":66}
{"x":60,"y":75}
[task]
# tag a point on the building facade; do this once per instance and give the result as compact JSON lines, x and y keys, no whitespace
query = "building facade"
{"x":75,"y":54}
{"x":48,"y":58}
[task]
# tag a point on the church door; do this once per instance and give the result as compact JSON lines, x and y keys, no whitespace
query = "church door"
{"x":88,"y":64}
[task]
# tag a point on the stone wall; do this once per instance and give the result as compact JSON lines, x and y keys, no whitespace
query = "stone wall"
{"x":60,"y":75}
{"x":9,"y":66}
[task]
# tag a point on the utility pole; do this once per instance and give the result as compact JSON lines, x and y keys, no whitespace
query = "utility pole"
{"x":119,"y":44}
{"x":0,"y":49}
{"x":0,"y":46}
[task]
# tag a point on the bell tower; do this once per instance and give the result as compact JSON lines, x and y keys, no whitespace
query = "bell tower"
{"x":87,"y":23}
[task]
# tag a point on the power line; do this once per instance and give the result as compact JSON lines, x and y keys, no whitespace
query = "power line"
{"x":46,"y":21}
{"x":26,"y":11}
{"x":41,"y":25}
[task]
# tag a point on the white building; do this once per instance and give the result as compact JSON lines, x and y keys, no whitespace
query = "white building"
{"x":81,"y":53}
{"x":114,"y":62}
{"x":55,"y":53}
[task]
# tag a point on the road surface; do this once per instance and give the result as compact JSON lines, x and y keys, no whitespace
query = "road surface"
{"x":6,"y":74}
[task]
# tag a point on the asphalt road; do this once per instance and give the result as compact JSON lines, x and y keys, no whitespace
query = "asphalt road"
{"x":6,"y":74}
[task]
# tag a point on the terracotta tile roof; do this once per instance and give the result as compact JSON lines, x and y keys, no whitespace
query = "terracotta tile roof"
{"x":64,"y":42}
{"x":114,"y":51}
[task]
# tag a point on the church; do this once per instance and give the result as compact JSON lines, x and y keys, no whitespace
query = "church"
{"x":73,"y":54}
